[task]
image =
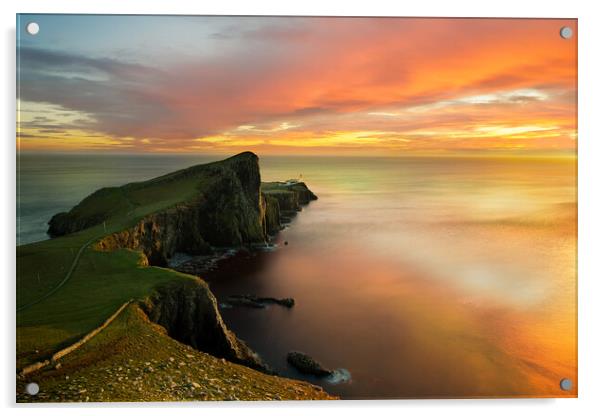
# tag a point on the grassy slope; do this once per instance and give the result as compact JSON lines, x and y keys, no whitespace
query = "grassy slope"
{"x":274,"y":188}
{"x":133,"y":360}
{"x":41,"y":266}
{"x":101,"y":281}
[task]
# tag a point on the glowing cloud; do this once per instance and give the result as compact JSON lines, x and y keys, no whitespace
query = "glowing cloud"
{"x":313,"y":85}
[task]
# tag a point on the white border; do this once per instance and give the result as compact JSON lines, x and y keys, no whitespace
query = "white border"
{"x":590,"y":207}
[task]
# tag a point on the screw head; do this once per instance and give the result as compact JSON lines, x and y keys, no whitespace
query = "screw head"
{"x":32,"y":28}
{"x":566,"y":32}
{"x":32,"y":389}
{"x":566,"y":384}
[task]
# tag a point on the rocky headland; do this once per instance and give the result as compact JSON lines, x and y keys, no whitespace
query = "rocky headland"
{"x":226,"y":207}
{"x":232,"y":208}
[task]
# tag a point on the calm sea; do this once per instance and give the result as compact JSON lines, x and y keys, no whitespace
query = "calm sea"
{"x":422,"y":277}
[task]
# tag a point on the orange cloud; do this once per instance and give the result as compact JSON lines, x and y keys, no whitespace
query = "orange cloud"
{"x":320,"y":83}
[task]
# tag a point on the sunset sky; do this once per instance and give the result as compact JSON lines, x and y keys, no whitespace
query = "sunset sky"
{"x":382,"y":86}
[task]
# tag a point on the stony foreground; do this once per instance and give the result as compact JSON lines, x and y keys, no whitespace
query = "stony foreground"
{"x":134,"y":360}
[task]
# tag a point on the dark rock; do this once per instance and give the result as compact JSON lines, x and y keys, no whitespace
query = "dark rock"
{"x":243,"y":301}
{"x":253,"y":301}
{"x":188,"y":311}
{"x":162,"y":234}
{"x":291,"y":196}
{"x":227,"y":212}
{"x":272,"y":215}
{"x":304,"y":195}
{"x":288,"y":302}
{"x":306,"y":364}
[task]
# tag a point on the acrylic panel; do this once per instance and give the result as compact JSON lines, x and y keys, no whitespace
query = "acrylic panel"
{"x":295,"y":208}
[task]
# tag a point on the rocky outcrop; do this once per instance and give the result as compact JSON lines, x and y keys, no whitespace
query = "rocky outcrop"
{"x":200,"y":225}
{"x":304,"y":195}
{"x":188,"y":311}
{"x":228,"y":201}
{"x":229,"y":209}
{"x":272,"y":215}
{"x":291,"y":195}
{"x":253,"y":301}
{"x":162,"y":234}
{"x":307,"y":365}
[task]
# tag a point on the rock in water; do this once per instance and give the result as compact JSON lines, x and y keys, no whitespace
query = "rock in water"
{"x":253,"y":301}
{"x":306,"y":364}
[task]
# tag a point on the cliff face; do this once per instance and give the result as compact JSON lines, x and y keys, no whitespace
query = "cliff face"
{"x":226,"y":191}
{"x":230,"y":210}
{"x":272,"y":215}
{"x":188,"y":311}
{"x":290,"y":196}
{"x":160,"y":235}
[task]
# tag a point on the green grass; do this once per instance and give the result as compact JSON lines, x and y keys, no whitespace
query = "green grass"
{"x":41,"y":266}
{"x":268,"y":187}
{"x":101,"y":281}
{"x":140,"y":198}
